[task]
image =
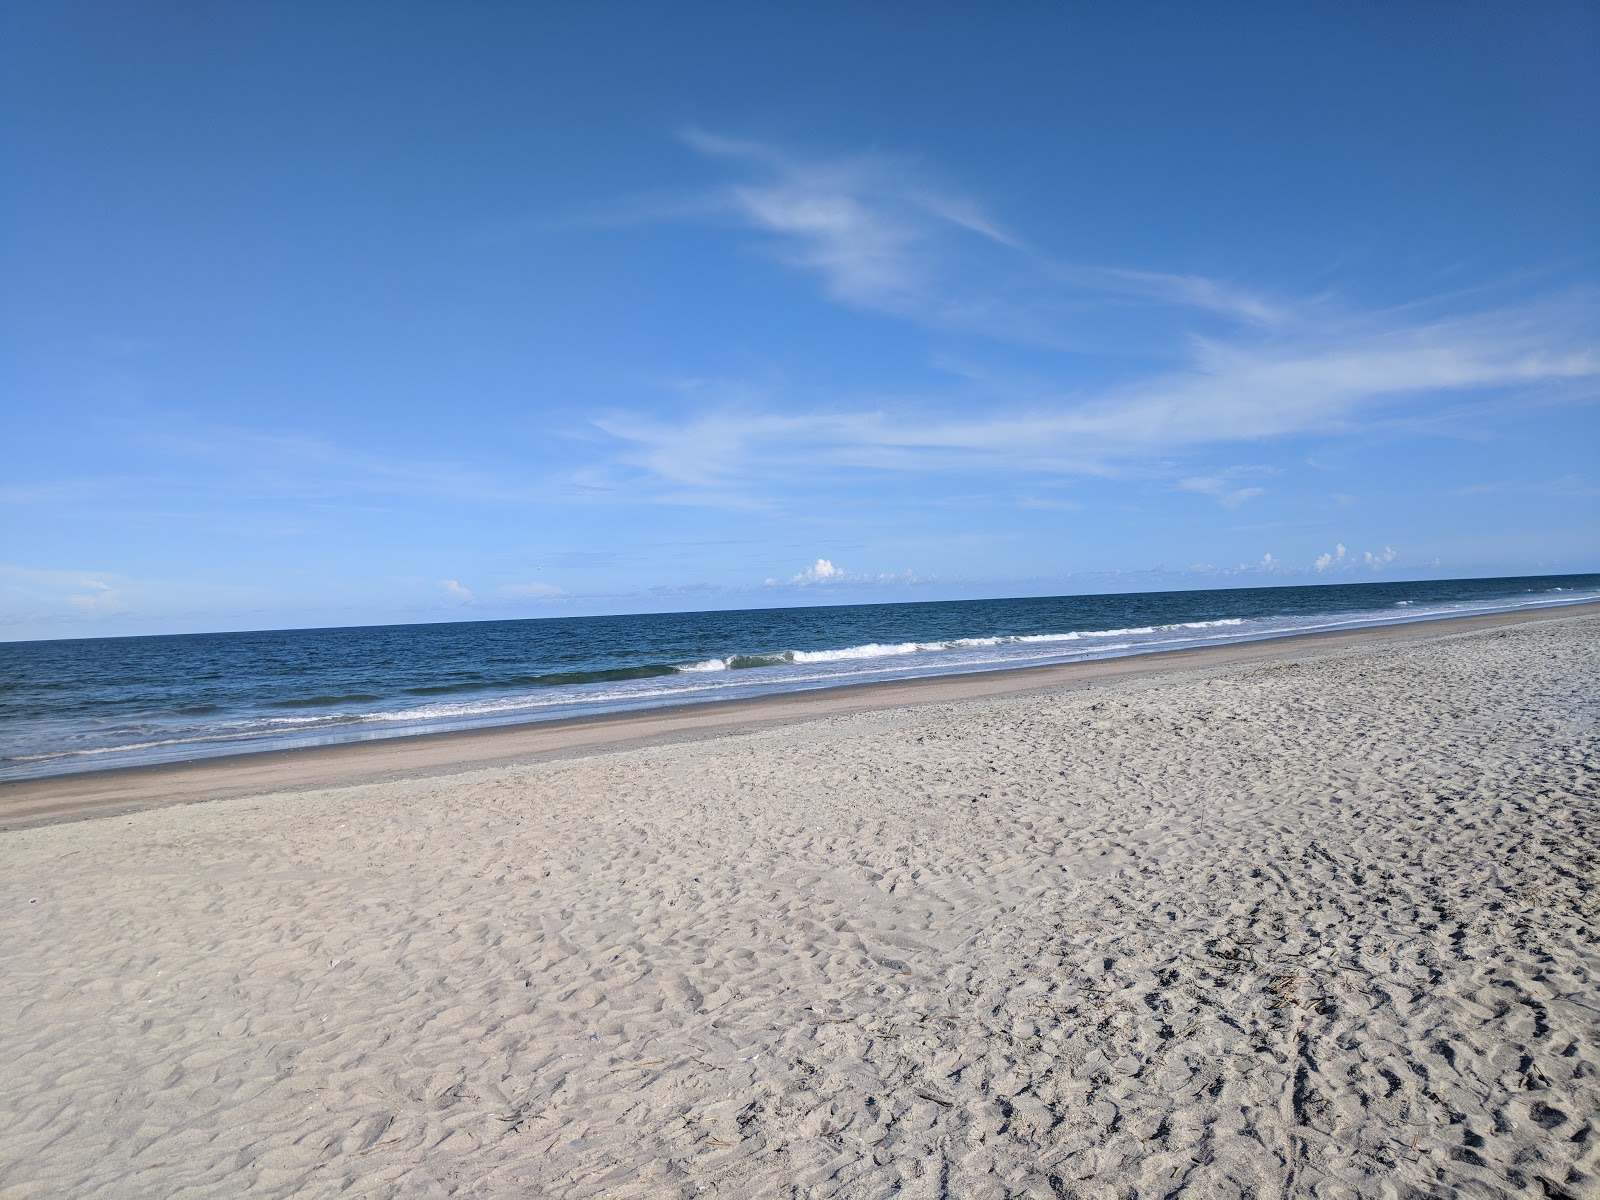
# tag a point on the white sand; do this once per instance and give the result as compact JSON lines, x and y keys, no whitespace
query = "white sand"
{"x":1314,"y":927}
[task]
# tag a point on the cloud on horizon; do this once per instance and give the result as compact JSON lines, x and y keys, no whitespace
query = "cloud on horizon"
{"x":825,"y":572}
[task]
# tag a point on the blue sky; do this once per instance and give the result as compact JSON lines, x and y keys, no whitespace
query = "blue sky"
{"x":359,"y":313}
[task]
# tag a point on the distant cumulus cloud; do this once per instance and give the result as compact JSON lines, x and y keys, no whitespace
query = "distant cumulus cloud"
{"x":825,"y":573}
{"x":99,"y":596}
{"x":1339,"y":556}
{"x":455,"y":591}
{"x":821,"y":571}
{"x":1324,"y":561}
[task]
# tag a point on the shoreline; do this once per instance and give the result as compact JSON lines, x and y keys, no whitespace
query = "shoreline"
{"x":1312,"y":917}
{"x":118,"y":791}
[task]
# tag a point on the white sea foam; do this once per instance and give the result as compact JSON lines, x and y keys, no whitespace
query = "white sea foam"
{"x":135,"y":747}
{"x":870,"y":650}
{"x":897,"y":649}
{"x":696,"y":668}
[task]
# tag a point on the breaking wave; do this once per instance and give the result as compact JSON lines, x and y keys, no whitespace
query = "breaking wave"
{"x":869,"y":650}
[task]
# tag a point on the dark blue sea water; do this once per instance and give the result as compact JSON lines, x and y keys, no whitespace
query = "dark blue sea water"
{"x":68,"y":706}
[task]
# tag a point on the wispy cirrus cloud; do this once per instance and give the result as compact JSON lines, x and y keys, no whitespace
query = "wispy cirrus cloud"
{"x":296,"y":465}
{"x":43,"y":601}
{"x":181,"y":458}
{"x":865,"y":225}
{"x":1344,"y":378}
{"x":1196,"y":292}
{"x":1265,"y":367}
{"x":1220,"y":490}
{"x":1208,"y":295}
{"x":881,"y":236}
{"x":93,"y":592}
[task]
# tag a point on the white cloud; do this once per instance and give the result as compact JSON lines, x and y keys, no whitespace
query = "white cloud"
{"x":98,"y":596}
{"x":89,"y":592}
{"x":1339,"y":556}
{"x":1185,"y":291}
{"x":456,"y":592}
{"x":1330,"y":559}
{"x":821,"y":571}
{"x":1341,"y":379}
{"x":865,"y":225}
{"x":197,"y":457}
{"x":880,"y":237}
{"x":1220,"y":490}
{"x":825,"y":572}
{"x":1320,"y":381}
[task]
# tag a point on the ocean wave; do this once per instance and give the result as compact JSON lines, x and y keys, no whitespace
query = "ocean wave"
{"x":323,"y":701}
{"x":548,"y":679}
{"x":869,"y":650}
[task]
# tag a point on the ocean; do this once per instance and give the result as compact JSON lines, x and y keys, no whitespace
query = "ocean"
{"x":93,"y":703}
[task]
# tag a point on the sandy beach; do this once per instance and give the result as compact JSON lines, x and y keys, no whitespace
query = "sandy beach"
{"x":1306,"y":918}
